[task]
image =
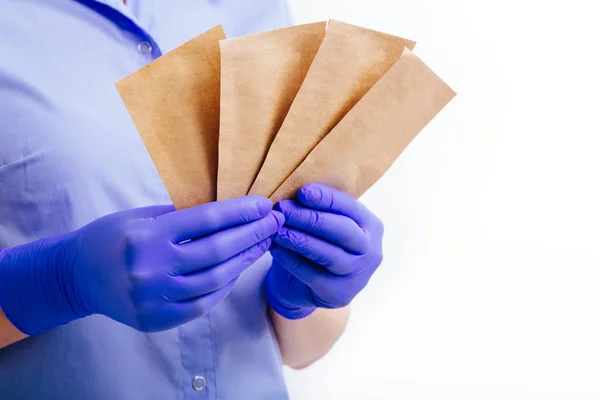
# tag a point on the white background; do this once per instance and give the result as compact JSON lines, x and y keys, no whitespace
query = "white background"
{"x":491,"y":284}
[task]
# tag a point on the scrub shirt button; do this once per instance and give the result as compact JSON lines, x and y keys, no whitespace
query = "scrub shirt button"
{"x":144,"y":47}
{"x":199,"y":383}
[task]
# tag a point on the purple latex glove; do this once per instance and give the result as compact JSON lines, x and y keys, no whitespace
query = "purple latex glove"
{"x":325,"y":254}
{"x":137,"y":267}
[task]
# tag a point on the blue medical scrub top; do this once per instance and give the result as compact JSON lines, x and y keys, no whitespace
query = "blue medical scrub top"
{"x":69,"y":154}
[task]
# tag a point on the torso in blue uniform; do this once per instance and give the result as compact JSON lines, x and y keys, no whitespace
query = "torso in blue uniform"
{"x":70,"y":154}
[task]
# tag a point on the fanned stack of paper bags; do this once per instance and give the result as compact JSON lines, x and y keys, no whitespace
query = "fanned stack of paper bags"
{"x":267,"y":113}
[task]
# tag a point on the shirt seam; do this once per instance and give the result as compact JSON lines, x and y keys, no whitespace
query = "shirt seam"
{"x":214,"y":352}
{"x":182,"y":379}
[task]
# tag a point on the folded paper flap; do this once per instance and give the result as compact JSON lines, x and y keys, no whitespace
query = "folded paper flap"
{"x":176,"y":59}
{"x":280,"y":35}
{"x":349,"y":62}
{"x":354,"y":31}
{"x":372,"y":135}
{"x":263,"y":69}
{"x":260,"y":76}
{"x":178,"y":94}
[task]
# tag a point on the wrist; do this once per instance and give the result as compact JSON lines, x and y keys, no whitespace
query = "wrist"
{"x":37,"y":288}
{"x":284,"y":307}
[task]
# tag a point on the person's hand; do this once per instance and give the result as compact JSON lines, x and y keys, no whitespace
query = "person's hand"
{"x":150,"y":268}
{"x":325,"y":253}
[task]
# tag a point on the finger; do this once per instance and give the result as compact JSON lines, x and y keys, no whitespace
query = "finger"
{"x":185,"y":287}
{"x":208,"y":218}
{"x":325,"y":198}
{"x":184,"y":311}
{"x":327,"y":290}
{"x":221,"y":246}
{"x":333,"y":258}
{"x":335,"y":228}
{"x":300,"y":267}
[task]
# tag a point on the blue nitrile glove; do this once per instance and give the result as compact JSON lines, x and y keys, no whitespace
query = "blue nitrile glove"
{"x":324,"y":255}
{"x":136,"y":266}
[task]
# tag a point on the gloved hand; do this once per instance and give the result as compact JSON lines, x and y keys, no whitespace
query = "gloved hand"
{"x":324,"y":255}
{"x":137,"y":267}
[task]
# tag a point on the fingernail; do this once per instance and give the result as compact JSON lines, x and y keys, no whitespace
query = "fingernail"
{"x":305,"y":191}
{"x":309,"y":191}
{"x":264,"y":206}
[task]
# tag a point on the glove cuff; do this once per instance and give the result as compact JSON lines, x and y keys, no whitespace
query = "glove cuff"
{"x":36,"y":284}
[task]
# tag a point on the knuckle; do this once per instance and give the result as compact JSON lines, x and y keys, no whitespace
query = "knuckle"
{"x":177,"y":260}
{"x":137,"y":279}
{"x":342,"y":299}
{"x":328,"y":200}
{"x":176,"y":290}
{"x":359,"y":246}
{"x":249,"y":256}
{"x":174,"y":281}
{"x":264,"y":228}
{"x":210,"y":217}
{"x":264,"y":246}
{"x":134,"y":239}
{"x":296,"y":238}
{"x":325,"y":260}
{"x":254,"y":253}
{"x":246,"y":216}
{"x":137,"y":239}
{"x":378,"y":258}
{"x":248,"y":212}
{"x":314,"y":219}
{"x":258,"y":233}
{"x":216,"y":247}
{"x":378,"y":225}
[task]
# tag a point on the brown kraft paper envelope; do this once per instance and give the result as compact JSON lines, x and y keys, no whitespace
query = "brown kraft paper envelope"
{"x":260,"y":76}
{"x":363,"y":146}
{"x":174,"y":103}
{"x":349,"y":62}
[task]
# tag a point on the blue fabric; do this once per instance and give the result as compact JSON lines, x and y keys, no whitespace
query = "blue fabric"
{"x":70,"y":154}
